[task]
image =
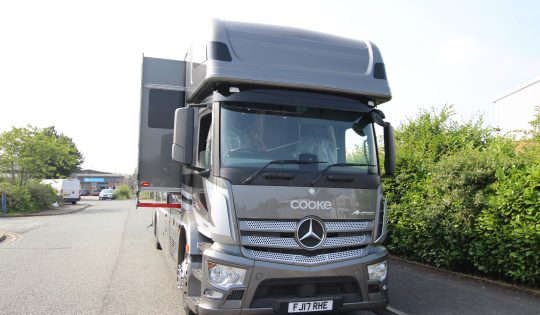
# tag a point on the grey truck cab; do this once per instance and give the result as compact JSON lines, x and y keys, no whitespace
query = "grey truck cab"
{"x":265,"y":135}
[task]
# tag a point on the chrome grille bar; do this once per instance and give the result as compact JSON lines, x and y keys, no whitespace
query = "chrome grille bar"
{"x":268,"y":226}
{"x":290,"y":226}
{"x":348,"y":226}
{"x":290,"y":243}
{"x":304,"y":260}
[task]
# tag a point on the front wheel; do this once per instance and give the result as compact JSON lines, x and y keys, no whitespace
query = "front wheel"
{"x":158,"y":245}
{"x":73,"y":202}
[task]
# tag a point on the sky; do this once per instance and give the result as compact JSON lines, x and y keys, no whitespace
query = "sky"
{"x":76,"y":65}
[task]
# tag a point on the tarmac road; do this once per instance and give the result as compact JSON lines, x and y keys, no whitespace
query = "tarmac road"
{"x":102,"y":260}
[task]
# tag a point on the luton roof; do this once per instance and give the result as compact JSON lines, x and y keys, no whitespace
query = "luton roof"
{"x":237,"y":53}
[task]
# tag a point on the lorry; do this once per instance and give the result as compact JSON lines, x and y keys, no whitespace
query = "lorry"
{"x":67,"y":189}
{"x":261,"y":151}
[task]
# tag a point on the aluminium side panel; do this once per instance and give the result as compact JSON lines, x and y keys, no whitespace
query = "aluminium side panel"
{"x":162,"y":92}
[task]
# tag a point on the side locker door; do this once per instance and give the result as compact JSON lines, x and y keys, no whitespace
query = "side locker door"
{"x":162,"y":92}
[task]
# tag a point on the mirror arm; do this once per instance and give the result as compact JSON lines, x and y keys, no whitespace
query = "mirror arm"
{"x":205,"y":173}
{"x":202,"y":171}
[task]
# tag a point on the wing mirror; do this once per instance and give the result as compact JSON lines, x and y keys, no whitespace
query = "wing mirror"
{"x":182,"y":147}
{"x":389,"y":151}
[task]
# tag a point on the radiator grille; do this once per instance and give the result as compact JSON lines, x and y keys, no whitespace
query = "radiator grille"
{"x":275,"y":241}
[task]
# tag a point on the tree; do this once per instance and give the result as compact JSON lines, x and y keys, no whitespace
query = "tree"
{"x":63,"y":168}
{"x":31,"y":152}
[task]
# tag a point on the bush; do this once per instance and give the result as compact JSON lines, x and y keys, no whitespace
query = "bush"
{"x":433,"y":189}
{"x":122,"y":192}
{"x":464,"y":199}
{"x":42,"y":195}
{"x":509,"y":229}
{"x":18,"y":198}
{"x":455,"y":194}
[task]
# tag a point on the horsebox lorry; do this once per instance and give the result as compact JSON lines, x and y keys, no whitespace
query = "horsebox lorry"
{"x":262,"y":147}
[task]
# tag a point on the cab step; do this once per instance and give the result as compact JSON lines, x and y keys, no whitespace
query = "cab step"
{"x":193,"y":303}
{"x":202,"y":246}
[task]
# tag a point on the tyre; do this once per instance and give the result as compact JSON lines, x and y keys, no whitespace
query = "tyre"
{"x":158,"y":245}
{"x":73,"y":202}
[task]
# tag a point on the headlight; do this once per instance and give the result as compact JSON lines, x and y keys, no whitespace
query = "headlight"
{"x":225,"y":276}
{"x":377,"y":271}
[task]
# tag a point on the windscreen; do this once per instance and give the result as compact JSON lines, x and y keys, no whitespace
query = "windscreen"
{"x":254,"y":134}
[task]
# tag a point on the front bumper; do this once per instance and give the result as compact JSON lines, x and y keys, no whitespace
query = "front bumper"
{"x":268,"y":286}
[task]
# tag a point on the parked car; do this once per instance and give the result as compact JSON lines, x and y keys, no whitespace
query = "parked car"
{"x":84,"y":192}
{"x":94,"y":192}
{"x":106,"y":194}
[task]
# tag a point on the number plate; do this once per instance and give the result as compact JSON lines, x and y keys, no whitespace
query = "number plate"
{"x":314,"y":306}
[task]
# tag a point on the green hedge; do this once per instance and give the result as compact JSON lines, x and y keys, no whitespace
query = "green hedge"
{"x":464,"y":199}
{"x":29,"y":198}
{"x":41,"y":195}
{"x":18,"y":198}
{"x":508,"y":230}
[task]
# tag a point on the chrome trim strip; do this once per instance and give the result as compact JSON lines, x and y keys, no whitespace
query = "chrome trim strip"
{"x":164,"y":87}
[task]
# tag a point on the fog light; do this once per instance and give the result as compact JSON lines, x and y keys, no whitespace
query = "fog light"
{"x":212,"y":294}
{"x":377,"y":271}
{"x":225,"y":276}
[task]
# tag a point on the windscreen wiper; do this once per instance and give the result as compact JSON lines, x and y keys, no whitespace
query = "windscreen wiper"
{"x":252,"y":176}
{"x":316,"y":178}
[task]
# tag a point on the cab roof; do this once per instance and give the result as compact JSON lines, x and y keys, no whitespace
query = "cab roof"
{"x":267,"y":56}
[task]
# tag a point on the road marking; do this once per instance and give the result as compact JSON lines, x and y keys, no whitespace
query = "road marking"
{"x":390,"y":311}
{"x":393,"y":310}
{"x":10,"y":238}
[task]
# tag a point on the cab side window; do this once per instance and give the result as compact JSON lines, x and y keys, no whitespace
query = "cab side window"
{"x":205,"y":141}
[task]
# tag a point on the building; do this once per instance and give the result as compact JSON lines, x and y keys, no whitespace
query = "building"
{"x":91,"y":179}
{"x":516,"y":108}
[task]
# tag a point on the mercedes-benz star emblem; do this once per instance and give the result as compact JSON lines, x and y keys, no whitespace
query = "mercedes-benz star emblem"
{"x":310,"y":233}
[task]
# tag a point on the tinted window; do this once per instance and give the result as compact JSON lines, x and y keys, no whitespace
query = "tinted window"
{"x":255,"y":134}
{"x":163,"y":103}
{"x":205,"y":141}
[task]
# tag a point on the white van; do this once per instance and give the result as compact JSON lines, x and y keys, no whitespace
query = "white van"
{"x":69,"y":189}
